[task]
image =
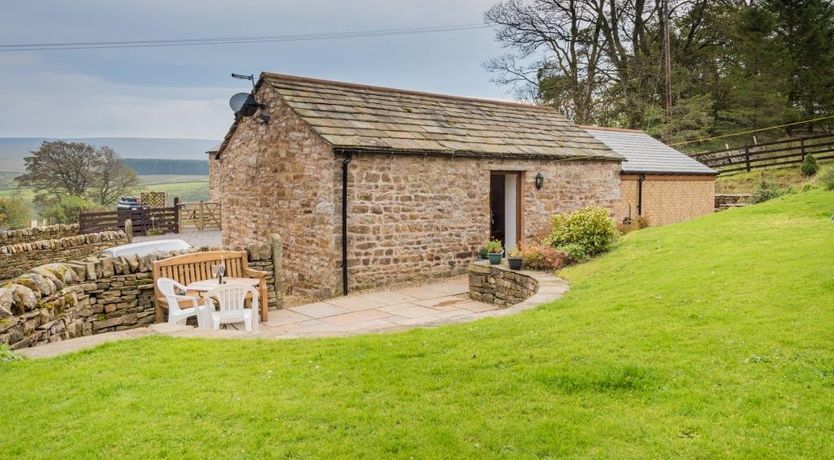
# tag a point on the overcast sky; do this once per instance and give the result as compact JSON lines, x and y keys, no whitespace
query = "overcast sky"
{"x":183,"y":91}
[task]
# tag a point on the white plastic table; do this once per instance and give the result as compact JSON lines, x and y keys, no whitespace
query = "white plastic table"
{"x":201,"y":287}
{"x":208,"y":285}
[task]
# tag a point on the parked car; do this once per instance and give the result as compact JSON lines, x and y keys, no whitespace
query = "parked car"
{"x":146,"y":247}
{"x":128,"y":202}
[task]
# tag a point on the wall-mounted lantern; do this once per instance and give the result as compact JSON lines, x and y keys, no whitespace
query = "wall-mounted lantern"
{"x":539,"y":181}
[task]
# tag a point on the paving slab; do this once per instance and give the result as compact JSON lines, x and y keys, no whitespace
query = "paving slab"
{"x":319,"y":310}
{"x":431,"y":305}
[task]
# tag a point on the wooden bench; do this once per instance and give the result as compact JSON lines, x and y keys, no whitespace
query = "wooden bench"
{"x":189,"y":268}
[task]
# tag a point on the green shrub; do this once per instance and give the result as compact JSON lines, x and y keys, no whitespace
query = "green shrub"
{"x":543,"y":257}
{"x":576,"y":252}
{"x":764,"y":191}
{"x":66,"y":209}
{"x":809,"y":166}
{"x":14,"y":212}
{"x":591,"y":228}
{"x":826,"y":179}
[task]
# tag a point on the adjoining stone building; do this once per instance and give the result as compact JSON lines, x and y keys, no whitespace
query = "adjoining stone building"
{"x":658,"y":182}
{"x":426,"y":179}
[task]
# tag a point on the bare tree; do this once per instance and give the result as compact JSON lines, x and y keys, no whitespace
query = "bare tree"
{"x":76,"y":169}
{"x":596,"y":61}
{"x":113,"y":179}
{"x":557,"y":56}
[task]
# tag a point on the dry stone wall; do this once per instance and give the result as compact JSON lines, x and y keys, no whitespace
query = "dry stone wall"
{"x":28,"y":235}
{"x":59,"y":301}
{"x":498,"y":285}
{"x":17,"y":258}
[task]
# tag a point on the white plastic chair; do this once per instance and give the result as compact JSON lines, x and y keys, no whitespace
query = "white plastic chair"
{"x":176,"y":314}
{"x":230,"y":299}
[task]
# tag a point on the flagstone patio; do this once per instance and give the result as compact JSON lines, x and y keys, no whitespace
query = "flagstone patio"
{"x":429,"y":305}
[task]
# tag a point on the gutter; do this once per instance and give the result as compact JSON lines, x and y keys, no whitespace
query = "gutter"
{"x":345,"y":164}
{"x":470,"y":154}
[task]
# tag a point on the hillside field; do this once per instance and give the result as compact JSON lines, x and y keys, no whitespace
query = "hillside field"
{"x":187,"y":188}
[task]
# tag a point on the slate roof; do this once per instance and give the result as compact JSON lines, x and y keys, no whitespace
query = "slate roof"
{"x":645,"y":154}
{"x":369,"y":118}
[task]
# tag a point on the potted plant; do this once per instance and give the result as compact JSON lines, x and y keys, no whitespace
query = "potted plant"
{"x":514,"y":259}
{"x":483,"y":253}
{"x":494,"y":251}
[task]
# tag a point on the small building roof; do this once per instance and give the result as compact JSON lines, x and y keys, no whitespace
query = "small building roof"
{"x":369,"y":118}
{"x":645,"y":154}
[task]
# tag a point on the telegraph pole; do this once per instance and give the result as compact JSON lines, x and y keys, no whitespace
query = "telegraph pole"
{"x":667,"y":58}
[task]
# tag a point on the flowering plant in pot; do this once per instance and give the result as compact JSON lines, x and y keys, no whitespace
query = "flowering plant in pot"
{"x":494,"y":251}
{"x":514,"y":259}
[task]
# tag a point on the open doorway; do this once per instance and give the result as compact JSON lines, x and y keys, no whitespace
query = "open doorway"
{"x":505,"y":208}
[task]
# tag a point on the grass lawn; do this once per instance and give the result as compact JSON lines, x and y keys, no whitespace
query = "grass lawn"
{"x":784,"y":178}
{"x":707,"y":339}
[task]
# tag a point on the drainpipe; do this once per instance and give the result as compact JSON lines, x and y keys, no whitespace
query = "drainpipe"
{"x":345,"y":164}
{"x":640,"y":194}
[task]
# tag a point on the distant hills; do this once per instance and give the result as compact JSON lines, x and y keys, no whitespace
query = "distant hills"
{"x":13,"y":149}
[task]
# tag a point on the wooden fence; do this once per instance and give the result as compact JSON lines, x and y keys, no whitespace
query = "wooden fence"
{"x":145,"y":220}
{"x":201,"y":215}
{"x":769,"y":154}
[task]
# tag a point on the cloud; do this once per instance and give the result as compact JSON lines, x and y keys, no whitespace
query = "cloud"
{"x":183,"y":91}
{"x":44,"y":103}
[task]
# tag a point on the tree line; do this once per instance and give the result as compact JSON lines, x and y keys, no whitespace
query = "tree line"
{"x":148,"y":166}
{"x":736,"y":64}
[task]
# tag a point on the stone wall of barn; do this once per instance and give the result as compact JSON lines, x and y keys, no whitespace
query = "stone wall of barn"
{"x":416,"y":217}
{"x":410,"y":217}
{"x":279,"y":178}
{"x":668,"y":198}
{"x":214,"y":178}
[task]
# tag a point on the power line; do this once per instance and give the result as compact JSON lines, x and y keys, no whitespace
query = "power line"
{"x":234,"y":40}
{"x":753,"y":131}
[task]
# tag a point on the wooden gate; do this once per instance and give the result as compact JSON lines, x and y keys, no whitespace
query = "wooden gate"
{"x":201,"y":215}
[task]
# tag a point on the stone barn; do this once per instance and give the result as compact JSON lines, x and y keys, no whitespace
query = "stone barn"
{"x":658,"y":182}
{"x":370,"y":186}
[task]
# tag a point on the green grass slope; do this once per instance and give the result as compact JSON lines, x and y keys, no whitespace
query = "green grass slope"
{"x":706,"y":339}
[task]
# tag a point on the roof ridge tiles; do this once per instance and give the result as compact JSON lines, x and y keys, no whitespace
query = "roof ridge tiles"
{"x":271,"y":76}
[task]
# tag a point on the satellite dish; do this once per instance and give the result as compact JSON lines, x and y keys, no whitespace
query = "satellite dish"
{"x":244,"y":104}
{"x":237,"y":101}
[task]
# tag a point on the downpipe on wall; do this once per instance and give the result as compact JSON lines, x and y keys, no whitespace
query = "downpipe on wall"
{"x":345,"y":164}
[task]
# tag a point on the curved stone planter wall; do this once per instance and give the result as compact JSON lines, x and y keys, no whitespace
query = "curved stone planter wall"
{"x":498,"y":285}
